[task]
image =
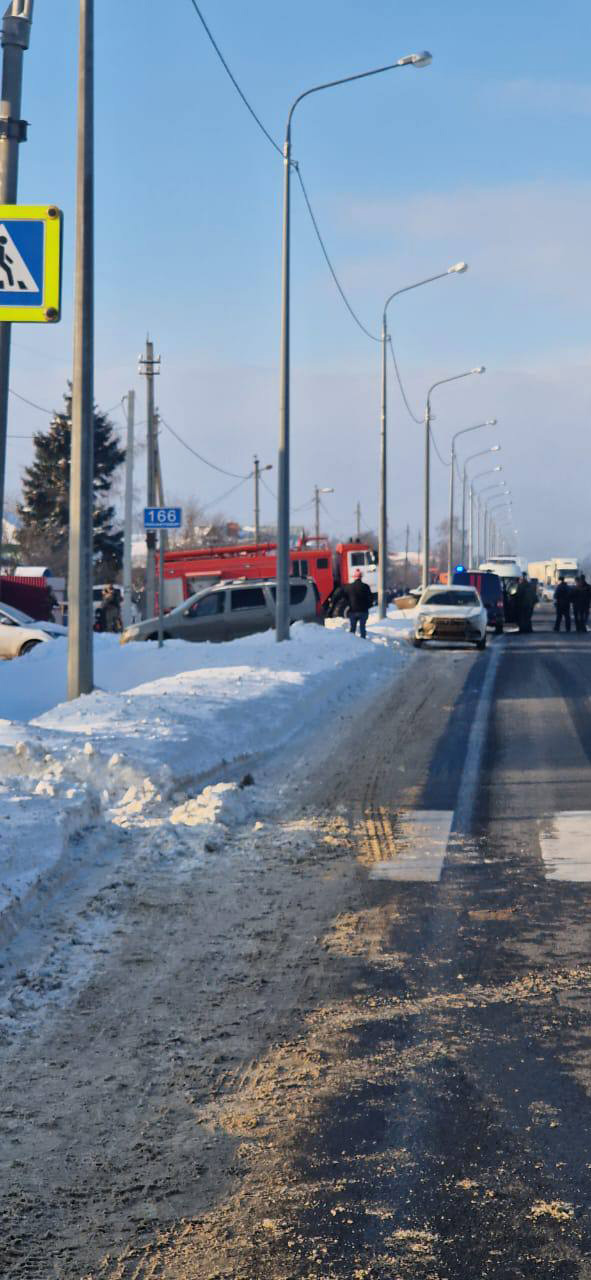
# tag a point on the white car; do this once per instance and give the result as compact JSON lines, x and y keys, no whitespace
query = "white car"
{"x":19,"y":633}
{"x":451,"y":613}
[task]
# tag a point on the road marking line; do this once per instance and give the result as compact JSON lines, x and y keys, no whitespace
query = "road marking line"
{"x":471,"y":773}
{"x":566,"y":850}
{"x":422,"y":839}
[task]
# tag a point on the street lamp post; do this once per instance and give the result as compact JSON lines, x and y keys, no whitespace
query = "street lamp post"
{"x":505,"y":505}
{"x":490,"y":422}
{"x":257,"y":504}
{"x":479,"y":496}
{"x":457,"y":269}
{"x":480,"y":475}
{"x":80,"y":617}
{"x":427,"y":485}
{"x":493,"y":448}
{"x":317,"y":491}
{"x":282,"y":611}
{"x":487,"y":522}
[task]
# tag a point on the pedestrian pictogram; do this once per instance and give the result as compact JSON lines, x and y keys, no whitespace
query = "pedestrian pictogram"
{"x":15,"y":276}
{"x":30,"y":263}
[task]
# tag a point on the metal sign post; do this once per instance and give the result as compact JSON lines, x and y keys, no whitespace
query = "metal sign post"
{"x":162,"y":518}
{"x":161,"y":544}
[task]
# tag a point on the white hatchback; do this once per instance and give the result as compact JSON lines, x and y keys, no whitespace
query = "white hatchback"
{"x":19,"y":633}
{"x":451,"y":613}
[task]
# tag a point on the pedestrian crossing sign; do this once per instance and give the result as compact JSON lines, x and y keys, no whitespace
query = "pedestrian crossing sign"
{"x":30,"y":263}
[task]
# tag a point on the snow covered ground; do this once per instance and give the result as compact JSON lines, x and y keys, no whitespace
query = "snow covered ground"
{"x":158,"y":747}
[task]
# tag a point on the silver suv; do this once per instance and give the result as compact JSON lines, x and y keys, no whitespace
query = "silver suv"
{"x":230,"y":610}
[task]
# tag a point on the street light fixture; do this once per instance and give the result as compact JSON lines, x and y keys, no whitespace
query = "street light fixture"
{"x":282,"y":612}
{"x":490,"y":422}
{"x":427,"y":493}
{"x":458,"y":269}
{"x":317,"y":491}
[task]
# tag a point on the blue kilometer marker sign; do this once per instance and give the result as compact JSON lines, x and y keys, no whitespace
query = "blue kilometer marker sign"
{"x":163,"y":517}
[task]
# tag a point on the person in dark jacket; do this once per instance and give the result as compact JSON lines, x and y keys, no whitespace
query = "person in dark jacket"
{"x":526,"y":599}
{"x":359,"y":601}
{"x":562,"y":603}
{"x":581,"y":598}
{"x":339,"y":603}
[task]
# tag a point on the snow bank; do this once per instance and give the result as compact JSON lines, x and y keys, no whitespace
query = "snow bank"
{"x":137,"y":751}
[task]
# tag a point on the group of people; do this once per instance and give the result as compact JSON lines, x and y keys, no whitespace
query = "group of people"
{"x":577,"y":597}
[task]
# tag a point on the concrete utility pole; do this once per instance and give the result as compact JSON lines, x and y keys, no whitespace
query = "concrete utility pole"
{"x":358,"y":519}
{"x":127,"y":529}
{"x":80,"y":573}
{"x":257,"y":506}
{"x":406,"y":555}
{"x":149,"y":367}
{"x":317,"y":492}
{"x":16,"y":33}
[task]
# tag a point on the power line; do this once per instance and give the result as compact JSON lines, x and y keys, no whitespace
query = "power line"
{"x":295,"y":166}
{"x":434,"y":443}
{"x":31,"y":403}
{"x":225,"y":495}
{"x":402,"y":391}
{"x":267,"y":487}
{"x":328,"y":261}
{"x":241,"y":95}
{"x":205,"y":461}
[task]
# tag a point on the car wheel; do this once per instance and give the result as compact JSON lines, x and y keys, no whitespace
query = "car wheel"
{"x":417,"y":643}
{"x":29,"y":644}
{"x":481,"y":644}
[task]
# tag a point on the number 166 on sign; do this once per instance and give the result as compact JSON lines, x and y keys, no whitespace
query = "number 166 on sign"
{"x":162,"y":517}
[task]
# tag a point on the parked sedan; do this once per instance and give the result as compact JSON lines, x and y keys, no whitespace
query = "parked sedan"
{"x":451,"y":613}
{"x":19,"y":633}
{"x":229,"y":610}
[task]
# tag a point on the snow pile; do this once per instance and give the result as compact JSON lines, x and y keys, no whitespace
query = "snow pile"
{"x":137,"y":752}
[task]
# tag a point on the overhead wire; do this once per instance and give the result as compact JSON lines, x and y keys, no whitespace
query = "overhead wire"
{"x":31,"y":403}
{"x":225,"y":495}
{"x":266,"y":486}
{"x":232,"y":77}
{"x":295,"y":166}
{"x":233,"y":474}
{"x":400,"y":383}
{"x":333,"y":273}
{"x":436,"y":448}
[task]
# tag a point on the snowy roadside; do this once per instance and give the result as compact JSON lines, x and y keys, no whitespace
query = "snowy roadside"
{"x":136,"y":753}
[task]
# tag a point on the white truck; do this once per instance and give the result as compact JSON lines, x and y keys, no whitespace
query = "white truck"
{"x":549,"y":572}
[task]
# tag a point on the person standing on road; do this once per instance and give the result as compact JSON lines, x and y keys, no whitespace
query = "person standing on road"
{"x":526,"y":598}
{"x":562,"y":602}
{"x":360,"y":599}
{"x":581,"y":602}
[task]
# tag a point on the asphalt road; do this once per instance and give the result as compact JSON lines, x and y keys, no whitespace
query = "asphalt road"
{"x":361,"y":1050}
{"x":448,"y":1135}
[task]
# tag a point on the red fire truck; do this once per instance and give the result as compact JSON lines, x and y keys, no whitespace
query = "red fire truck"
{"x":186,"y":571}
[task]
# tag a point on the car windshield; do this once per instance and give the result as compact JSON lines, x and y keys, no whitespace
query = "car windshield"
{"x":453,"y":598}
{"x":16,"y":615}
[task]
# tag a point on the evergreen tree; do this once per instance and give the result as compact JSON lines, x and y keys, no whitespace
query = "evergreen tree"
{"x":44,"y":511}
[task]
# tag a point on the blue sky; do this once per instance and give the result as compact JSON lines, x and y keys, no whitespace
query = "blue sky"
{"x":480,"y":156}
